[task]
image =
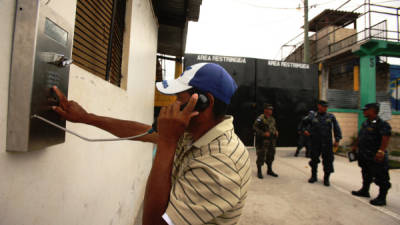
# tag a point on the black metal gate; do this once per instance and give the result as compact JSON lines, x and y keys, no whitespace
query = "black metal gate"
{"x":292,"y":88}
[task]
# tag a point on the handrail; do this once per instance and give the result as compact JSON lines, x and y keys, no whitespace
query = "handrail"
{"x":365,"y":34}
{"x":367,"y":37}
{"x":383,"y":6}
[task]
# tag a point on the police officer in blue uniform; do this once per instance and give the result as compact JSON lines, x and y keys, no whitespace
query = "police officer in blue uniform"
{"x":373,"y":138}
{"x":319,"y":128}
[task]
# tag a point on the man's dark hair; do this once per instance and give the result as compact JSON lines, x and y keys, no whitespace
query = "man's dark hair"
{"x":220,"y":108}
{"x":376,"y":109}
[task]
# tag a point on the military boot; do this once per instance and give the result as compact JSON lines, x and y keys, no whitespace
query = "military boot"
{"x":381,"y":199}
{"x":259,"y":172}
{"x":296,"y":153}
{"x":313,"y":178}
{"x":270,"y":172}
{"x":363,"y":192}
{"x":326,"y":179}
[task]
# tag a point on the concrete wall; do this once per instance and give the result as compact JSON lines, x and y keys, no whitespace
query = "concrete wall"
{"x":382,"y":80}
{"x":348,"y":123}
{"x":79,"y":182}
{"x":323,"y":40}
{"x":343,"y":33}
{"x":395,"y":123}
{"x":343,"y":81}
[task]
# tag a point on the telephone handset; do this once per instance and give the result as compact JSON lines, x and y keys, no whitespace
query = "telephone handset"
{"x":201,"y":104}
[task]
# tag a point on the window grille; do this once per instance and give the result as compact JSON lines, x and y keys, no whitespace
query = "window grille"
{"x":99,"y":28}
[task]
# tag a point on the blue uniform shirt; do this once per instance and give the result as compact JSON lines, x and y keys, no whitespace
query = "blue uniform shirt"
{"x":320,"y":126}
{"x":370,"y":137}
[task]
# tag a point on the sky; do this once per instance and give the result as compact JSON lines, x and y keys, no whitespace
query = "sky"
{"x":255,"y":28}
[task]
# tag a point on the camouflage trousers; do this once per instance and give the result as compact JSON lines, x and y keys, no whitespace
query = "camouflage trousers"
{"x":265,"y":152}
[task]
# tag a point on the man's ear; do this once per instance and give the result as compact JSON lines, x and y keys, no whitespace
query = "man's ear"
{"x":211,"y":100}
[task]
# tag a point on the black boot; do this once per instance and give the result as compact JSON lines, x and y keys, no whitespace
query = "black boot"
{"x":297,"y":152}
{"x":326,"y":179}
{"x":313,"y":178}
{"x":270,"y":172}
{"x":259,"y":173}
{"x":363,"y":192}
{"x":381,"y":199}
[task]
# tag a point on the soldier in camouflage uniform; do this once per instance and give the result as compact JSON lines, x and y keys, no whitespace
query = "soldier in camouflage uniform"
{"x":266,"y":135}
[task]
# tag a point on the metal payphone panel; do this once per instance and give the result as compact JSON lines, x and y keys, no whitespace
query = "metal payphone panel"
{"x":41,"y":55}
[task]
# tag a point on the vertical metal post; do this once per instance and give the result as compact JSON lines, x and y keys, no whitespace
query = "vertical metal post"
{"x":397,"y":15}
{"x":365,"y":19}
{"x":397,"y":94}
{"x":369,"y":17}
{"x":306,"y":39}
{"x":110,"y":40}
{"x":356,"y":78}
{"x":255,"y":81}
{"x":178,"y":67}
{"x":385,"y":32}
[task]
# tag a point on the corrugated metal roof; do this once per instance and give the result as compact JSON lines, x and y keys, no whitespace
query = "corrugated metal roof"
{"x":332,"y":17}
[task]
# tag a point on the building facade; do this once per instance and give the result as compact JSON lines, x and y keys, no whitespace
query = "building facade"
{"x":351,"y":50}
{"x":79,"y":182}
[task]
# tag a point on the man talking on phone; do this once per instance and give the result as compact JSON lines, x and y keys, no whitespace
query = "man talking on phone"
{"x":201,"y":171}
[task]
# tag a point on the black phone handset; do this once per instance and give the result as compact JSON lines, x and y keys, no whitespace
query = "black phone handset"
{"x":202,"y":101}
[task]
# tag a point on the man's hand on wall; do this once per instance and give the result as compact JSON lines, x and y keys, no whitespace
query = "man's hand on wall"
{"x":69,"y":110}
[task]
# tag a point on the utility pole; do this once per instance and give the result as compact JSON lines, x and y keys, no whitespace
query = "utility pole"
{"x":306,"y":39}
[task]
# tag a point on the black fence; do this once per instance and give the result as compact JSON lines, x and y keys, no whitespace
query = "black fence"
{"x":292,"y":88}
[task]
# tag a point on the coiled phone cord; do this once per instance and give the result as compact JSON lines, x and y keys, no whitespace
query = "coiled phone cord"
{"x":90,"y":139}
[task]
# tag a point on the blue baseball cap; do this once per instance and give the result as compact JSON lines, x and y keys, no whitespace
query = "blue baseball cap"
{"x":207,"y":77}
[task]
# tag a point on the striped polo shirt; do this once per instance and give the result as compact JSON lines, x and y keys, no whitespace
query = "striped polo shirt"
{"x":210,"y":178}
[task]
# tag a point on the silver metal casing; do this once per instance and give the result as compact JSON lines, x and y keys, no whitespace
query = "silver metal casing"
{"x":40,"y":36}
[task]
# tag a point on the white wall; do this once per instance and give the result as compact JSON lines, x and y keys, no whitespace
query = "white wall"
{"x":79,"y":182}
{"x":348,"y":123}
